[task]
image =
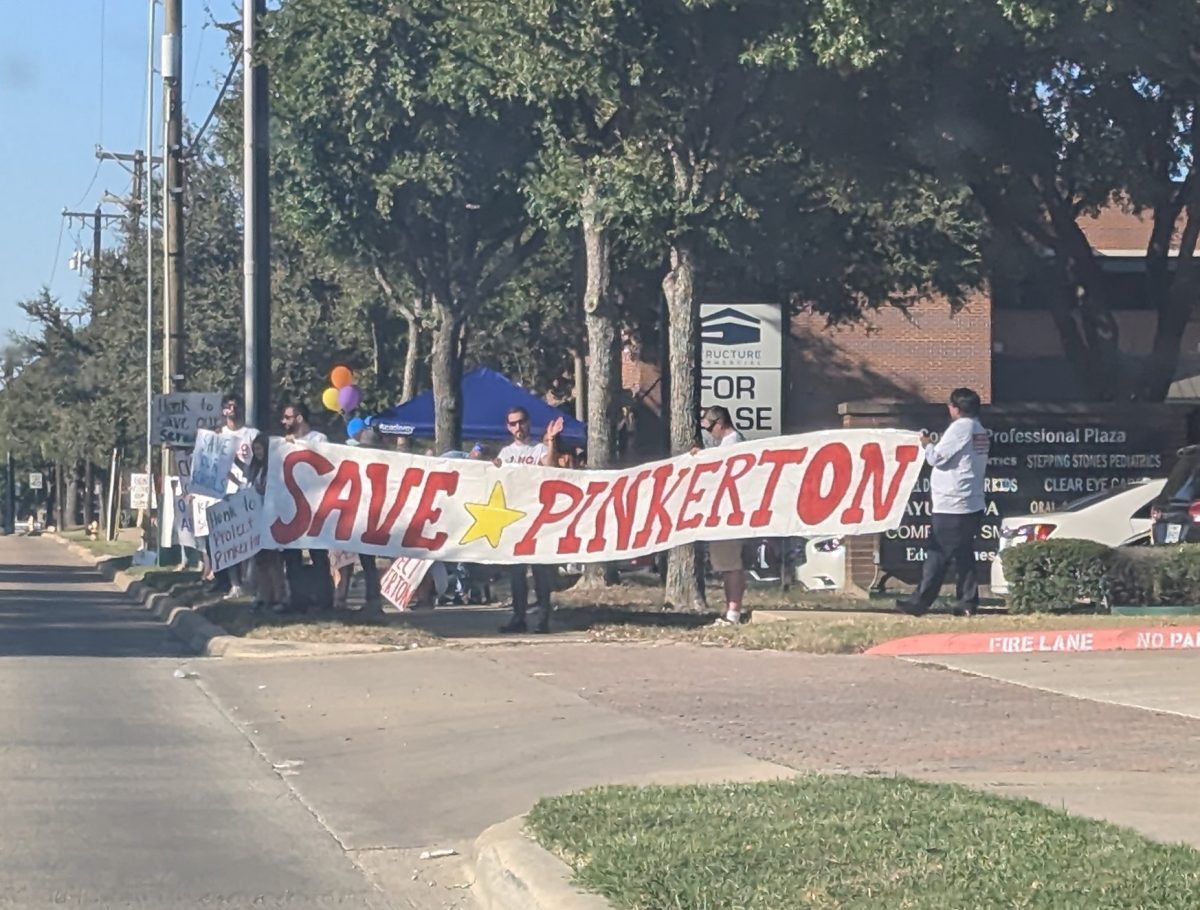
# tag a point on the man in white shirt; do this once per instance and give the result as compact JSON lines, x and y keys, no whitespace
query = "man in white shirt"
{"x":524,"y":451}
{"x":959,"y":463}
{"x":725,"y":556}
{"x":296,"y":428}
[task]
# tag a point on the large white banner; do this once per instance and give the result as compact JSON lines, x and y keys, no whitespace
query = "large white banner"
{"x":368,"y":501}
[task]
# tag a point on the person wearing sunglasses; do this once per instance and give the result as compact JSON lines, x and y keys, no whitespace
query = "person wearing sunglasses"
{"x":525,"y":451}
{"x":725,"y":556}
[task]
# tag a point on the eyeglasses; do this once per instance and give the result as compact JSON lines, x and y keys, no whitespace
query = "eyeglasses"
{"x":708,"y":427}
{"x":517,"y":423}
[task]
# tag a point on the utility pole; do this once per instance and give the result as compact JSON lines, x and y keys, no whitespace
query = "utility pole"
{"x":257,"y":232}
{"x":137,"y":159}
{"x":174,"y":367}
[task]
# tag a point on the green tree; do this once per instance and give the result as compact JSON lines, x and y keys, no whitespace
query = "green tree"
{"x":1048,"y":111}
{"x":381,"y":154}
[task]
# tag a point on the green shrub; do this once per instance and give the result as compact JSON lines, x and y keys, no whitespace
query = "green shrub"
{"x":1046,"y":575}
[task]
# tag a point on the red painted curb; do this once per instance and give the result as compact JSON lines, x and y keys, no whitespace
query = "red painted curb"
{"x":1128,"y":638}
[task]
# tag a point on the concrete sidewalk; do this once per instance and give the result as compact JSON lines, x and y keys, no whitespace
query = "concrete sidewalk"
{"x":397,"y":754}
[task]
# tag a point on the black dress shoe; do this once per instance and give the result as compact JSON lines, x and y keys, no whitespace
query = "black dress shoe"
{"x":911,"y":607}
{"x":514,"y":625}
{"x":967,"y":610}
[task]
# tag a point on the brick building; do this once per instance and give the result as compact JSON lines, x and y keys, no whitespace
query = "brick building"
{"x":1001,"y":343}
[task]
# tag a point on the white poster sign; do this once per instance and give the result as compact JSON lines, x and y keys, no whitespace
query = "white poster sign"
{"x":199,"y":508}
{"x":836,"y":482}
{"x":178,"y":416}
{"x":141,"y":492}
{"x":400,"y":582}
{"x":212,"y":462}
{"x":339,"y":559}
{"x":180,"y":528}
{"x":234,"y":529}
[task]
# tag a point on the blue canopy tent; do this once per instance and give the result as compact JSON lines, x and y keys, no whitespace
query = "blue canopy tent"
{"x":487,"y":397}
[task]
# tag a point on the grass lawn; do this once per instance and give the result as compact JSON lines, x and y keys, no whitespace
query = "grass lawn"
{"x":100,"y":546}
{"x":845,"y":842}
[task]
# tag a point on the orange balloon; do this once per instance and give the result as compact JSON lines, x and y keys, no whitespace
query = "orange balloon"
{"x":341,"y":377}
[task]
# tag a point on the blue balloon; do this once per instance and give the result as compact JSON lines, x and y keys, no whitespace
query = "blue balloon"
{"x":355,"y":426}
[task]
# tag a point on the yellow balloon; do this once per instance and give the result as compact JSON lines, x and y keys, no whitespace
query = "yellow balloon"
{"x":329,"y":398}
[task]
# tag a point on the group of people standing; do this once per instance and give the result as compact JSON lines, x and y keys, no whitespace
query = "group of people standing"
{"x":285,"y":583}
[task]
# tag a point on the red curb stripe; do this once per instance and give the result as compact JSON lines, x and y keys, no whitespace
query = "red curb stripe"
{"x":1129,"y":638}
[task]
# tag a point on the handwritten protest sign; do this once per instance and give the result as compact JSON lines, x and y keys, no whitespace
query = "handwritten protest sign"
{"x":141,"y":492}
{"x":234,"y":529}
{"x":178,"y":526}
{"x":199,"y":509}
{"x":177,"y":417}
{"x":834,"y":482}
{"x":212,"y":460}
{"x":400,"y":582}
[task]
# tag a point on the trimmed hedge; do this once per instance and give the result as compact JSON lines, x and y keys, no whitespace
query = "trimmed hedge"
{"x":1047,"y":575}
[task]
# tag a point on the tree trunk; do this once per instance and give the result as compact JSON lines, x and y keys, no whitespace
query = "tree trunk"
{"x":1095,"y":317}
{"x":88,"y":482}
{"x":1176,"y":297}
{"x":683,"y":348}
{"x":447,"y":377}
{"x":66,"y":497}
{"x":603,"y":375}
{"x":411,"y":356}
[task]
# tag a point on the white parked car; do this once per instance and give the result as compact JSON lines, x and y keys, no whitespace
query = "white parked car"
{"x":1114,"y":517}
{"x":824,"y":567}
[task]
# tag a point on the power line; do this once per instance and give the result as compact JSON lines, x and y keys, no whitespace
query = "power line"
{"x":62,"y":223}
{"x":91,"y":183}
{"x":220,"y":96}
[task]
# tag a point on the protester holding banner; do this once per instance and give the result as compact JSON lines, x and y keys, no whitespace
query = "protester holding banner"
{"x":959,"y":463}
{"x":270,"y":586}
{"x":297,"y":428}
{"x":725,"y":556}
{"x":522,"y":451}
{"x":367,"y":438}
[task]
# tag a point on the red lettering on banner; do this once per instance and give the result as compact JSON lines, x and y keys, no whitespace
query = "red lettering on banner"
{"x":285,"y":532}
{"x":812,"y":505}
{"x":778,"y":459}
{"x":687,"y":522}
{"x":414,"y":537}
{"x":622,"y":503}
{"x":343,"y":495}
{"x":659,"y":497}
{"x":874,"y":469}
{"x":728,"y":489}
{"x":570,"y":542}
{"x":379,"y":533}
{"x":548,"y":495}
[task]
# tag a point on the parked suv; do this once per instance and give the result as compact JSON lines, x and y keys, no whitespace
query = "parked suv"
{"x":1176,"y":513}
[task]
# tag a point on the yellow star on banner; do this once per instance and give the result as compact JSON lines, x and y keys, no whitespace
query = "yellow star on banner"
{"x":490,"y":518}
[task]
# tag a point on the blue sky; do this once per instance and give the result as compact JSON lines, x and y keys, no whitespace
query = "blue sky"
{"x":63,"y":90}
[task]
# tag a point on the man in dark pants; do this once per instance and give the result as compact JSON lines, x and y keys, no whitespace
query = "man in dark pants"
{"x":524,"y":451}
{"x":959,"y":462}
{"x":296,"y":428}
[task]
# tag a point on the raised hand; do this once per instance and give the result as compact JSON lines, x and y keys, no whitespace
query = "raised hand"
{"x":554,"y":428}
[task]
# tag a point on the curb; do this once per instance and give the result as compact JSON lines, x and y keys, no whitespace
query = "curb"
{"x":1060,"y":641}
{"x":199,"y":635}
{"x":513,"y":873}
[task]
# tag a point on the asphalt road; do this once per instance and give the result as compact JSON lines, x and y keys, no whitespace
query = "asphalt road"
{"x":124,"y":786}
